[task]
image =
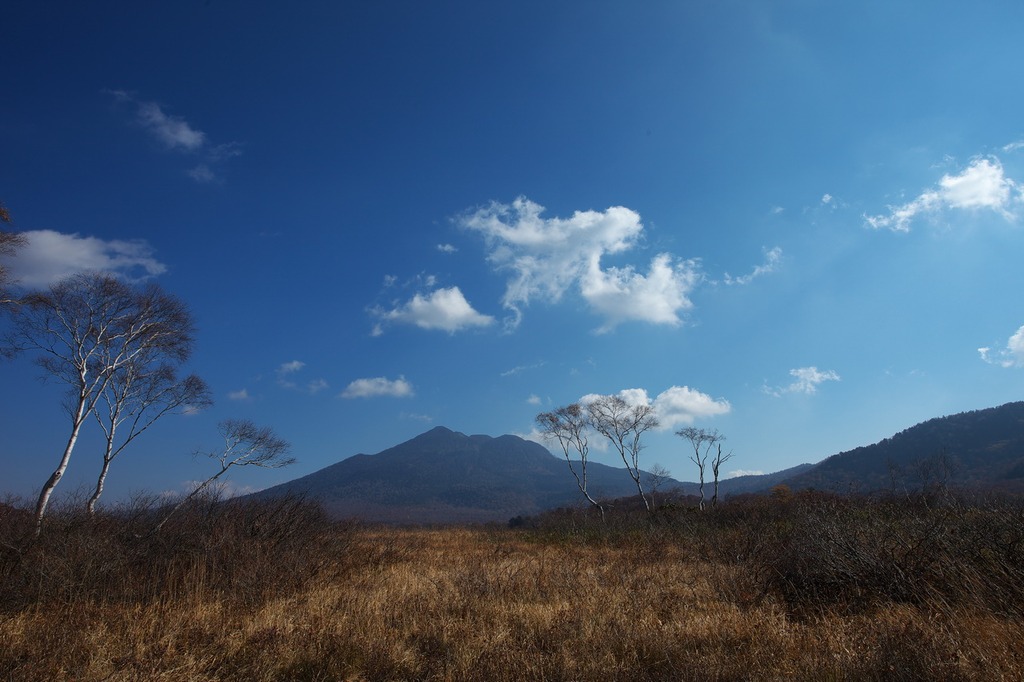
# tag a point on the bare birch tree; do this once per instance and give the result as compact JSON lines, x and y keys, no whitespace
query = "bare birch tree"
{"x":568,"y":425}
{"x":84,"y":330}
{"x":245,"y":444}
{"x":701,"y":438}
{"x":716,"y":464}
{"x":624,"y":425}
{"x":136,"y":396}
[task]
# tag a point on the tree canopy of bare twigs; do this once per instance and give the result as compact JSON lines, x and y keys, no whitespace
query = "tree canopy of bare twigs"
{"x":702,"y":440}
{"x":624,"y":425}
{"x":88,"y":331}
{"x":568,"y":425}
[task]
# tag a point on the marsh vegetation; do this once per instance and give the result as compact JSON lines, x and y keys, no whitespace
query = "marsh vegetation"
{"x":809,"y":586}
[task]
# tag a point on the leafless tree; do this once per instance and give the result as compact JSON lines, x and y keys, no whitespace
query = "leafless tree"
{"x":568,"y":425}
{"x":87,"y":328}
{"x":137,"y":395}
{"x":245,"y":444}
{"x":716,"y":465}
{"x":10,"y":242}
{"x":702,"y":440}
{"x":658,"y":476}
{"x":624,"y":425}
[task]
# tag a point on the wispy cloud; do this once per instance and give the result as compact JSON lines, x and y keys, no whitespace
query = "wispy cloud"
{"x":983,"y":185}
{"x":547,"y":256}
{"x":521,"y":368}
{"x":806,"y":380}
{"x":446,"y":309}
{"x":286,"y":377}
{"x":241,"y":395}
{"x":446,"y":248}
{"x":50,"y":256}
{"x":533,"y":399}
{"x":675,"y":406}
{"x":772,"y":258}
{"x":377,"y":387}
{"x":1011,"y":356}
{"x":176,"y":134}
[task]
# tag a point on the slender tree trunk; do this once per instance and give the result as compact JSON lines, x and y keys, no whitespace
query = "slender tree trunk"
{"x":202,"y":486}
{"x":51,"y":483}
{"x":90,"y":507}
{"x":640,"y":489}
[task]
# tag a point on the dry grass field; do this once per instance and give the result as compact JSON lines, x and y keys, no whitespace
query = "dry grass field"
{"x":761,"y":589}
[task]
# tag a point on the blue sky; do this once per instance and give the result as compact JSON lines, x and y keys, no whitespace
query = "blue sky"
{"x":800,"y":223}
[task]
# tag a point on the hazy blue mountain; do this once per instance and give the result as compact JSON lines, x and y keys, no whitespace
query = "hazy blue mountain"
{"x":981,"y":449}
{"x":443,"y":476}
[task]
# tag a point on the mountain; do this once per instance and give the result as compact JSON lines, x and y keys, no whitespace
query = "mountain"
{"x":443,"y":476}
{"x":982,"y":449}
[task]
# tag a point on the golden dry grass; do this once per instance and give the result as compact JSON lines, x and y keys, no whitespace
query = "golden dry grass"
{"x":486,"y":604}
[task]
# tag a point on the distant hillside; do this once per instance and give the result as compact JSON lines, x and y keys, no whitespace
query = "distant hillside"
{"x":981,"y":449}
{"x":442,"y":476}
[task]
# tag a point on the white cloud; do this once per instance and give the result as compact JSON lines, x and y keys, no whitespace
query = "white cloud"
{"x":521,"y":368}
{"x":174,"y":133}
{"x":744,"y":472}
{"x":982,"y":185}
{"x":772,"y":257}
{"x":1011,"y":356}
{"x":675,"y":406}
{"x":50,"y":256}
{"x":239,"y":395}
{"x":621,"y":294}
{"x":290,"y":367}
{"x":1014,"y":146}
{"x":446,"y":248}
{"x":378,"y":386}
{"x":534,"y":399}
{"x":547,"y":256}
{"x":285,"y":378}
{"x":445,"y":309}
{"x":316,"y":385}
{"x":826,"y":198}
{"x":807,"y":380}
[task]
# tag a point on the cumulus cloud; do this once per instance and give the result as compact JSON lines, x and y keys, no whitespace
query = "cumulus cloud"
{"x":446,"y":309}
{"x":176,"y":134}
{"x":622,"y":294}
{"x":50,"y":256}
{"x":446,"y":248}
{"x":806,"y":380}
{"x":545,"y":257}
{"x":377,"y":387}
{"x":772,"y":258}
{"x":982,"y":185}
{"x":1011,"y":356}
{"x":675,"y":406}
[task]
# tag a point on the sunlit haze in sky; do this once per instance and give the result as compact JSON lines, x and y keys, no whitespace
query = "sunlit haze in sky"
{"x":800,"y":223}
